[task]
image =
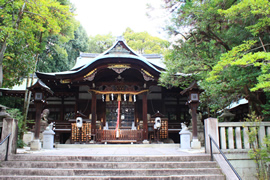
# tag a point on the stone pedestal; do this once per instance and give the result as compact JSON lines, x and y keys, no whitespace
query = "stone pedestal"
{"x":48,"y":138}
{"x":185,"y":135}
{"x":195,"y":144}
{"x":145,"y":141}
{"x":185,"y":141}
{"x":28,"y":137}
{"x":35,"y":145}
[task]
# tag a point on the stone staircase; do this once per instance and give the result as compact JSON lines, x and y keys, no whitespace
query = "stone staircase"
{"x":29,"y":166}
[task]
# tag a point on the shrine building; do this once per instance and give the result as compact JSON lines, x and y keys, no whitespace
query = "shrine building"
{"x":117,"y":95}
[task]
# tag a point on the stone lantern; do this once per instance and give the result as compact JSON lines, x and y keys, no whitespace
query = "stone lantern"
{"x":39,"y":89}
{"x":193,"y":92}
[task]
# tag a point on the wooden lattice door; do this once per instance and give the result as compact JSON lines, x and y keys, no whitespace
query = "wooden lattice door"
{"x":84,"y":135}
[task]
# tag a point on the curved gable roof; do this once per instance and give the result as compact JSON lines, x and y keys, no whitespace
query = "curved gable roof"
{"x":120,"y":50}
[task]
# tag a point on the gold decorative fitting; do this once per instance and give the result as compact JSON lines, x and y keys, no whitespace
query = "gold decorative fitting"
{"x":130,"y":98}
{"x":107,"y":98}
{"x":65,"y":81}
{"x":90,"y":73}
{"x":118,"y":66}
{"x":147,"y":73}
{"x":119,"y":97}
{"x":119,"y":92}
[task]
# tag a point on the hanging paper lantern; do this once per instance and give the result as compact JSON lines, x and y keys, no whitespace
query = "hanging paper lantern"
{"x":134,"y":98}
{"x":125,"y":97}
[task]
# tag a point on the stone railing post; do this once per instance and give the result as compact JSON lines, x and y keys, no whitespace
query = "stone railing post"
{"x":211,"y":128}
{"x":10,"y":125}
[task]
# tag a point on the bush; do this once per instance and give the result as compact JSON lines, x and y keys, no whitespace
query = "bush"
{"x":259,"y":152}
{"x":16,"y":114}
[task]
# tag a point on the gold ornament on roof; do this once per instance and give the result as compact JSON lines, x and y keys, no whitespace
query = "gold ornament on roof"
{"x":65,"y":81}
{"x":119,"y":68}
{"x":147,"y":73}
{"x":90,"y":73}
{"x":127,"y":66}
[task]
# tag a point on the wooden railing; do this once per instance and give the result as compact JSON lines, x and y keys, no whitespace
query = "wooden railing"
{"x":233,"y":135}
{"x":124,"y":136}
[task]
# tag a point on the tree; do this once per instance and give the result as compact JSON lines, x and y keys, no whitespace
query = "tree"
{"x":144,"y":43}
{"x":25,"y":28}
{"x":32,"y":19}
{"x":100,"y":43}
{"x":60,"y":56}
{"x":252,"y":52}
{"x":251,"y":56}
{"x":209,"y":37}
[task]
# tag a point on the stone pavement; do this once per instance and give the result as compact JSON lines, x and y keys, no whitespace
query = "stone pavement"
{"x":113,"y":149}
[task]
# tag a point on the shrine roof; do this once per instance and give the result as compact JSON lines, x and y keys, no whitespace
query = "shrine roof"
{"x":88,"y":58}
{"x":120,"y":50}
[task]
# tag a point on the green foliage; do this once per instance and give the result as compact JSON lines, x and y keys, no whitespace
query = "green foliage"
{"x":100,"y":43}
{"x":260,"y":153}
{"x":144,"y":43}
{"x":24,"y":26}
{"x":12,"y":102}
{"x":16,"y":114}
{"x":224,"y":46}
{"x":266,"y":107}
{"x":60,"y":56}
{"x":240,"y":57}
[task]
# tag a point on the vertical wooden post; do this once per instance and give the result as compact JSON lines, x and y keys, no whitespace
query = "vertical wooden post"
{"x":39,"y":106}
{"x":62,"y":109}
{"x":93,"y":111}
{"x":144,"y":116}
{"x":194,"y":119}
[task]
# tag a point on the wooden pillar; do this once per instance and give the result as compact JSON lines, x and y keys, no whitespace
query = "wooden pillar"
{"x":93,"y":111}
{"x":194,"y":120}
{"x":144,"y":116}
{"x":39,"y":106}
{"x":62,"y":116}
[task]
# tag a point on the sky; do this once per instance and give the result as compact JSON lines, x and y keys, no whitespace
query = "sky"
{"x":105,"y":16}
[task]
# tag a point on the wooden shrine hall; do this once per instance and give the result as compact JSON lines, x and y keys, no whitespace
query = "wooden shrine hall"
{"x":116,"y":94}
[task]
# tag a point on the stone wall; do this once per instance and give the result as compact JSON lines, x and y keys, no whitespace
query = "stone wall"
{"x":10,"y":125}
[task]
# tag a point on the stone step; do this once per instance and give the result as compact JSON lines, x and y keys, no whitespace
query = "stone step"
{"x":111,"y":158}
{"x":188,"y":167}
{"x":173,"y":177}
{"x":108,"y":172}
{"x":108,"y":165}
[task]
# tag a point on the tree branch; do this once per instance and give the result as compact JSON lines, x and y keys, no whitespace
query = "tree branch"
{"x":219,"y":40}
{"x":262,"y":44}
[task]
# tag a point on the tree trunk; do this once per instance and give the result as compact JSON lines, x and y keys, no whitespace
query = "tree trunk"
{"x":27,"y":98}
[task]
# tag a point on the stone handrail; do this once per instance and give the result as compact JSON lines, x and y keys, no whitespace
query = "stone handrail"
{"x":233,"y":135}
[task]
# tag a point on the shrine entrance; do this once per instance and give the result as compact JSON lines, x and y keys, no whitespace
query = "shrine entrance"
{"x":127,"y":114}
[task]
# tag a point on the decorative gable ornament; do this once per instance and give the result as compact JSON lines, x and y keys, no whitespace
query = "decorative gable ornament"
{"x":119,"y":49}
